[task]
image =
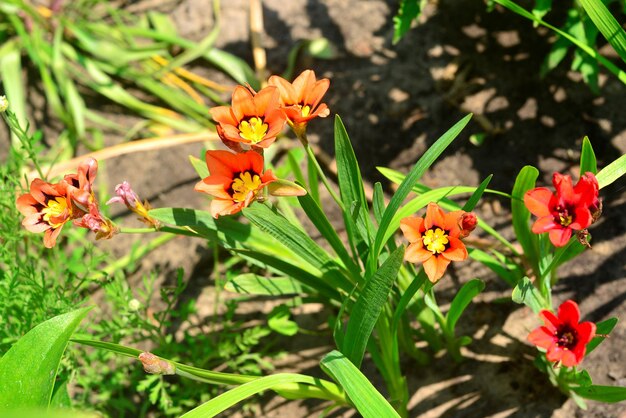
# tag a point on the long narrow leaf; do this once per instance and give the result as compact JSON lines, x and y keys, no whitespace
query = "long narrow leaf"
{"x":367,"y":400}
{"x":368,"y":306}
{"x":607,"y":24}
{"x":524,"y":182}
{"x":612,"y":172}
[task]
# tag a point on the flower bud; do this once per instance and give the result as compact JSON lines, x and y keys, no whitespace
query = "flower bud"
{"x":155,"y":365}
{"x":467,"y":223}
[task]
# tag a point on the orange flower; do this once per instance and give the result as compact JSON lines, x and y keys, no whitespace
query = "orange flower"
{"x":236,"y":180}
{"x":253,"y":119}
{"x":434,"y":240}
{"x":301,"y":99}
{"x":46,"y":209}
{"x":49,"y":206}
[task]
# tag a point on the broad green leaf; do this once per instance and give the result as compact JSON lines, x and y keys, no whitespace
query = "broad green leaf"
{"x":475,"y":197}
{"x":323,"y":225}
{"x":587,"y":158}
{"x":608,"y":394}
{"x":425,"y":161}
{"x":607,"y":24}
{"x":367,"y":400}
{"x":368,"y":306}
{"x":279,"y":320}
{"x":527,"y":294}
{"x":602,"y":328}
{"x":350,"y":180}
{"x":612,"y":172}
{"x":253,"y":284}
{"x":462,"y":300}
{"x":524,"y":182}
{"x":28,"y":370}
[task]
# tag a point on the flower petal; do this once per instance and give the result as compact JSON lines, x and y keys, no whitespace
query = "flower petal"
{"x":537,"y":201}
{"x":434,"y":216}
{"x":416,"y":253}
{"x":412,"y":228}
{"x":559,"y":237}
{"x":541,"y":337}
{"x":456,"y":250}
{"x":545,"y":224}
{"x":435,"y":267}
{"x":569,"y":313}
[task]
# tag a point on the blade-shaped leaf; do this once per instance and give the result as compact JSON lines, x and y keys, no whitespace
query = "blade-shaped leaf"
{"x":612,"y":172}
{"x":368,"y":306}
{"x":587,"y":158}
{"x":253,"y":284}
{"x":367,"y":400}
{"x":603,"y":329}
{"x":425,"y":161}
{"x":28,"y":370}
{"x":475,"y":197}
{"x":607,"y":24}
{"x":609,"y":394}
{"x":462,"y":300}
{"x":527,"y":294}
{"x":350,"y":180}
{"x":528,"y":240}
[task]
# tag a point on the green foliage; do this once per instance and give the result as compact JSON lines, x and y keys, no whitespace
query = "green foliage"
{"x":28,"y":370}
{"x":408,"y":11}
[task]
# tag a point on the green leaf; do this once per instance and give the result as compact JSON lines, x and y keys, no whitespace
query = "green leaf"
{"x":408,"y":11}
{"x":226,"y":400}
{"x":612,"y":172}
{"x":367,"y":400}
{"x":621,"y":75}
{"x":475,"y":197}
{"x":253,"y":284}
{"x":521,"y":216}
{"x":323,"y":225}
{"x":13,"y":83}
{"x":527,"y":294}
{"x":28,"y":370}
{"x":462,"y":300}
{"x":279,"y":321}
{"x":200,"y":166}
{"x":587,"y":158}
{"x":368,"y":306}
{"x":378,"y":201}
{"x":607,"y":24}
{"x":602,"y":328}
{"x":289,"y":235}
{"x":609,"y":394}
{"x":509,"y":275}
{"x":350,"y":180}
{"x":542,"y":7}
{"x":425,"y":161}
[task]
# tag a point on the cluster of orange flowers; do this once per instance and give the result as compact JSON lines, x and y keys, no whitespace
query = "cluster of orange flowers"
{"x":49,"y":206}
{"x":250,"y":124}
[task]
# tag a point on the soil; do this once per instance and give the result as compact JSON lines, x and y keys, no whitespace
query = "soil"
{"x":395,"y":101}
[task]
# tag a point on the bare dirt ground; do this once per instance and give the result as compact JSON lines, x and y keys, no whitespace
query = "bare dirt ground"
{"x":395,"y":101}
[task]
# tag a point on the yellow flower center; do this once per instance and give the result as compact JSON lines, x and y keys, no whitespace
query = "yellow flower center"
{"x":253,"y":129}
{"x":435,"y":240}
{"x":54,"y":209}
{"x":245,"y":184}
{"x":305,"y":111}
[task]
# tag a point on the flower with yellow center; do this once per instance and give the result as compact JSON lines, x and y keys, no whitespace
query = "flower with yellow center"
{"x":254,"y":119}
{"x":253,"y":130}
{"x":435,"y":240}
{"x":245,"y":184}
{"x":55,"y":209}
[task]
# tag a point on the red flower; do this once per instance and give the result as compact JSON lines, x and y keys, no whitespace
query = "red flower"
{"x":301,"y":99}
{"x":253,"y":119}
{"x":568,"y":209}
{"x":435,"y":240}
{"x":562,"y":336}
{"x":236,"y":180}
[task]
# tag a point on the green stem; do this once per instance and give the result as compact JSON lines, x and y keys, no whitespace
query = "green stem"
{"x":305,"y":143}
